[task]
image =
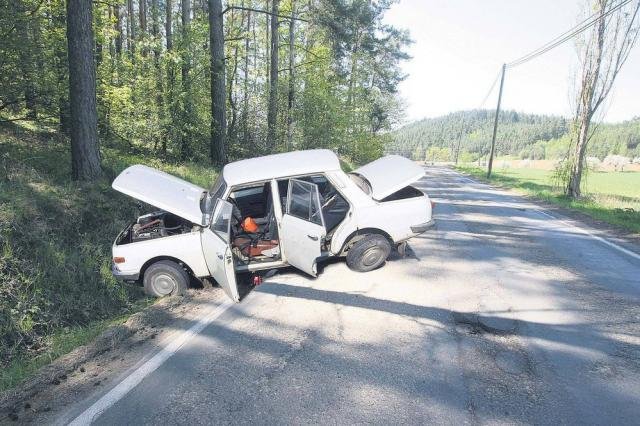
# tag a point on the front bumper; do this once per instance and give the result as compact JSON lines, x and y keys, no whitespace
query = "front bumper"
{"x":422,"y":227}
{"x":123,"y":276}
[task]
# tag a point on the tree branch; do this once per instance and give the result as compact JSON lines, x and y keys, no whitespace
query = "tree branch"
{"x":250,"y":9}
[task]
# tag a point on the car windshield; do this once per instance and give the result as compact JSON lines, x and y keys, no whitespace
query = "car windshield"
{"x":208,"y":202}
{"x":361,"y":182}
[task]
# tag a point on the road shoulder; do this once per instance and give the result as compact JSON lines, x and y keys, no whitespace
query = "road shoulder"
{"x":623,"y":237}
{"x":93,"y":368}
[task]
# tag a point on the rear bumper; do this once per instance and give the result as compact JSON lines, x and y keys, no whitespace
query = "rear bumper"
{"x":123,"y":276}
{"x":422,"y":227}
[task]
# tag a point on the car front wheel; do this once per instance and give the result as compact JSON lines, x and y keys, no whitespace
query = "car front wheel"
{"x":368,"y":253}
{"x":165,"y":278}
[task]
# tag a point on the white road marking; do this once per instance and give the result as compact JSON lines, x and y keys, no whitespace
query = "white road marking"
{"x":595,"y":237}
{"x":132,"y":380}
{"x":572,"y":226}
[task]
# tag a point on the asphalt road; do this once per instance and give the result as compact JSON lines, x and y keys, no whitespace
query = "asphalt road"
{"x":501,"y":314}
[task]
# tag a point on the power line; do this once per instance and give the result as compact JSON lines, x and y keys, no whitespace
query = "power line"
{"x":493,"y":85}
{"x":562,"y":38}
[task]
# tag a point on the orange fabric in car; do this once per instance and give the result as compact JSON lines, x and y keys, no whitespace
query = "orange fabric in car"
{"x":249,"y":225}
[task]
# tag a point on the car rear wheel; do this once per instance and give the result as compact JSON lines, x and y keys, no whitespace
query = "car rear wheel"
{"x":368,"y":253}
{"x":165,"y":278}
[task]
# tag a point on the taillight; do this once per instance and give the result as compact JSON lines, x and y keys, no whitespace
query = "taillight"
{"x":118,"y":260}
{"x":433,"y":204}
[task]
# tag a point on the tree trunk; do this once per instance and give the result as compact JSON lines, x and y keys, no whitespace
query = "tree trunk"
{"x":354,"y":69}
{"x":575,"y":178}
{"x":185,"y":134}
{"x":272,"y":113}
{"x":292,"y":75}
{"x":589,"y":82}
{"x":142,"y":12}
{"x":245,"y":101}
{"x":62,"y":70}
{"x":26,"y":59}
{"x":118,"y":27}
{"x":171,"y":79}
{"x":98,"y":43}
{"x":217,"y":151}
{"x":85,"y":156}
{"x":131,"y":28}
{"x":157,"y":50}
{"x":268,"y":42}
{"x":231,"y":133}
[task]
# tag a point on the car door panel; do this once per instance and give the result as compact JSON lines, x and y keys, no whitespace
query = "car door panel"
{"x":302,"y":226}
{"x":217,"y":250}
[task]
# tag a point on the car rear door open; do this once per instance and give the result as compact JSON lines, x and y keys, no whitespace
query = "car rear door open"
{"x":302,"y":226}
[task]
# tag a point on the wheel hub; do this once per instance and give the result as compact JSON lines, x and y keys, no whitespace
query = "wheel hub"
{"x":164,"y":284}
{"x":371,"y":256}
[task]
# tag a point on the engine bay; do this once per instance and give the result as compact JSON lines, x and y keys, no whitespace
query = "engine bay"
{"x":157,"y":224}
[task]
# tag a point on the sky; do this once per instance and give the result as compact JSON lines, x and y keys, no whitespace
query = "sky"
{"x":460,"y":45}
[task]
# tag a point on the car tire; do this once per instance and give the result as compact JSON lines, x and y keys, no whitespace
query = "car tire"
{"x":165,"y":278}
{"x":368,"y":253}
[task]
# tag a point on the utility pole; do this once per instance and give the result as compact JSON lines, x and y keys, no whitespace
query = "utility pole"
{"x":459,"y":141}
{"x":495,"y":122}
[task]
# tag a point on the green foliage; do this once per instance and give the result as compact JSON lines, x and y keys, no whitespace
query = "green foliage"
{"x":157,"y":100}
{"x":435,"y":153}
{"x":525,"y":136}
{"x":55,"y":241}
{"x":473,"y":129}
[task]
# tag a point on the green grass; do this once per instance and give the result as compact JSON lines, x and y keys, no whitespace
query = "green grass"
{"x":612,"y":197}
{"x":60,"y":343}
{"x":56,"y":288}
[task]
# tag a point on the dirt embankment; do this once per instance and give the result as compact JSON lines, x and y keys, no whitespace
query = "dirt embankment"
{"x":72,"y":377}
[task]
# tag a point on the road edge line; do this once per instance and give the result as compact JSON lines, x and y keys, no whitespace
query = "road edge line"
{"x":133,"y":379}
{"x":592,"y":235}
{"x":563,"y":221}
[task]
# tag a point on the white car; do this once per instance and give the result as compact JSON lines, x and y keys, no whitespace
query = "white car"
{"x":267,"y":212}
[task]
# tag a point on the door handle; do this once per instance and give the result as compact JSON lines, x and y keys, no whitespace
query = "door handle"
{"x":220,"y":256}
{"x":313,"y":237}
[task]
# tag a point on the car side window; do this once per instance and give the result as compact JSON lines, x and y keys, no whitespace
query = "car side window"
{"x":221,"y":224}
{"x":303,"y":201}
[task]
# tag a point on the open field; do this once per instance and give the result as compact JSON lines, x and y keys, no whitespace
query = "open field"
{"x":613,"y":197}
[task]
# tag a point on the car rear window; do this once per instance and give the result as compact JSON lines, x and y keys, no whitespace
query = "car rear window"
{"x":361,"y":182}
{"x":404,"y":193}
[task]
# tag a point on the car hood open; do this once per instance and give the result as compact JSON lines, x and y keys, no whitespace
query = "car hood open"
{"x":161,"y":190}
{"x":389,"y":174}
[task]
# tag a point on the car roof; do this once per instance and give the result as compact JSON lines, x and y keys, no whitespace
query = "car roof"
{"x":280,"y":165}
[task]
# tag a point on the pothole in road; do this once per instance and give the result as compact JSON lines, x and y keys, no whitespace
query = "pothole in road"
{"x":481,"y":324}
{"x":511,"y":362}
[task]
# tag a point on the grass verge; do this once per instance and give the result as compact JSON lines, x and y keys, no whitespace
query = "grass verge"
{"x":613,"y":198}
{"x":60,"y":343}
{"x":56,"y":288}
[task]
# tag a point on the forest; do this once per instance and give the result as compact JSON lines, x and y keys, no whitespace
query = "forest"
{"x":519,"y":135}
{"x":277,"y":74}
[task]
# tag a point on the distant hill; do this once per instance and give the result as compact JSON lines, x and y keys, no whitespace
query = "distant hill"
{"x":519,"y":134}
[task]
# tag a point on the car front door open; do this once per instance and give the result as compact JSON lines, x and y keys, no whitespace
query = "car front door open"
{"x":302,"y":230}
{"x":217,"y":249}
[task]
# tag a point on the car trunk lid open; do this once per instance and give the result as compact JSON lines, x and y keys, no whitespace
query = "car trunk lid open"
{"x":389,"y":174}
